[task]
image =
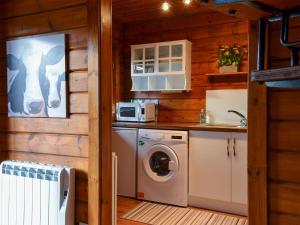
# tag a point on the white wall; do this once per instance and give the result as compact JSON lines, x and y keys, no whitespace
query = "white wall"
{"x":218,"y":102}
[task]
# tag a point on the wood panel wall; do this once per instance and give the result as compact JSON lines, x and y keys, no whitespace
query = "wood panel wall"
{"x":57,"y":141}
{"x":206,"y":32}
{"x":283,"y":138}
{"x":117,"y":43}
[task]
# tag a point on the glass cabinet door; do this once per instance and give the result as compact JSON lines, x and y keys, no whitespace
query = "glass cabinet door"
{"x":149,"y":67}
{"x":176,"y":65}
{"x":164,"y":58}
{"x":177,"y":50}
{"x":164,"y":51}
{"x":163,"y":66}
{"x":138,"y":63}
{"x":138,"y":54}
{"x":150,"y":60}
{"x":177,"y":58}
{"x":138,"y":67}
{"x":150,"y":53}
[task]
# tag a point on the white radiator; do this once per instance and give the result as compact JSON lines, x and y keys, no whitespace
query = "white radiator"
{"x":114,"y":187}
{"x":36,"y":194}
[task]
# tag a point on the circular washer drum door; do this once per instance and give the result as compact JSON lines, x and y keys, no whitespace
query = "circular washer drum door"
{"x":161,"y":163}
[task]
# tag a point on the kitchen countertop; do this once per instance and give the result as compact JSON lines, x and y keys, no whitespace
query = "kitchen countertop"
{"x":180,"y":126}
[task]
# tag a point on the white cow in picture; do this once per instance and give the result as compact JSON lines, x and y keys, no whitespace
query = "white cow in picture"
{"x":36,"y":69}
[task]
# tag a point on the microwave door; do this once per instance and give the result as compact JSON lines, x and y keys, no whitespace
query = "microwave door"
{"x":128,"y":113}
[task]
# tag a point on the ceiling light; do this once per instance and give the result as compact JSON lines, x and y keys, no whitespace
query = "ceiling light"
{"x":165,"y":6}
{"x":187,"y":2}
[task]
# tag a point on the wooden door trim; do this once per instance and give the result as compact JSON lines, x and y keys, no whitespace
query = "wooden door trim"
{"x":257,"y":139}
{"x":100,"y":112}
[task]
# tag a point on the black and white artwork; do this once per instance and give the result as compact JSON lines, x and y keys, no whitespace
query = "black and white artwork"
{"x":36,"y":70}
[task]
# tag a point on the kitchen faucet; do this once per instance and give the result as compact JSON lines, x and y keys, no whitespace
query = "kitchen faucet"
{"x":243,"y":121}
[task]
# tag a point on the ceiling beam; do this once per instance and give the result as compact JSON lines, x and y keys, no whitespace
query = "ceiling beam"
{"x":263,"y":7}
{"x":236,"y":8}
{"x":222,"y":2}
{"x":254,"y":4}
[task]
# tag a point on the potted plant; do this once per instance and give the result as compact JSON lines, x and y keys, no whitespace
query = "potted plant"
{"x":230,"y":57}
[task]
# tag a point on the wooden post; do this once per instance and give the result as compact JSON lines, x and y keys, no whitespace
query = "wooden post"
{"x":257,"y":139}
{"x":100,"y":115}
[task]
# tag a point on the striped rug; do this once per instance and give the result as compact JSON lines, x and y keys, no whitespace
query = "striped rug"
{"x":158,"y":214}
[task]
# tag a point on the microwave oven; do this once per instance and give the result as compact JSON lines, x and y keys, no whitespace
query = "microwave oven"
{"x":135,"y":112}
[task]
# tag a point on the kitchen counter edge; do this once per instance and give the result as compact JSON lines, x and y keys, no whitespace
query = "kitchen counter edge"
{"x":179,"y":126}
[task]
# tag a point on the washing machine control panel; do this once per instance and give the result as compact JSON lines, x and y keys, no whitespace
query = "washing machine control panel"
{"x":176,"y":137}
{"x":163,"y":137}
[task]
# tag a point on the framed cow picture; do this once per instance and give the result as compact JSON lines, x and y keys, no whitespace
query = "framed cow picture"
{"x":36,"y":70}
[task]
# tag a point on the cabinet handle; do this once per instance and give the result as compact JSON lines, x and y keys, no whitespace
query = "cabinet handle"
{"x":228,"y":143}
{"x":234,"y":147}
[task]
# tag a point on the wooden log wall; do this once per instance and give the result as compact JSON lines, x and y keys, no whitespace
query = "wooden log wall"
{"x":283,"y":138}
{"x":206,"y":32}
{"x":57,"y":141}
{"x":118,"y":39}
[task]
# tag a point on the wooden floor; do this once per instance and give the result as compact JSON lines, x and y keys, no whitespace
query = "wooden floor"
{"x":126,"y":204}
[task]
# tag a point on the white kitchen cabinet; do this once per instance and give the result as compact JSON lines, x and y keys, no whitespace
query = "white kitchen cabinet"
{"x":218,"y":171}
{"x":210,"y":166}
{"x":239,"y":168}
{"x":124,"y":145}
{"x":163,"y":66}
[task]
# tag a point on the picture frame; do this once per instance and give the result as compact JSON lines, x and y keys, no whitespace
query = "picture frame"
{"x":36,"y":76}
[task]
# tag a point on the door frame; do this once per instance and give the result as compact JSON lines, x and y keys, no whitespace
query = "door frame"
{"x":257,"y":137}
{"x":100,"y":121}
{"x":100,"y":111}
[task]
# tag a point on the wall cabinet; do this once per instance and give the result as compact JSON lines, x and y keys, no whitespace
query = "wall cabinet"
{"x":218,"y":170}
{"x":164,"y":66}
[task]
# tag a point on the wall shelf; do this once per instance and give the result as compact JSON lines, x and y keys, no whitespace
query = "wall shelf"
{"x":283,"y":74}
{"x":227,"y":74}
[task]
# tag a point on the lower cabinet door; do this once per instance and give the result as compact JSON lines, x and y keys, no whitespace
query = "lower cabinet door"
{"x":239,"y":168}
{"x":210,"y":165}
{"x":124,"y":145}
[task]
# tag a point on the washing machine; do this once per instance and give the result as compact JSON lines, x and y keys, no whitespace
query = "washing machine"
{"x":163,"y":166}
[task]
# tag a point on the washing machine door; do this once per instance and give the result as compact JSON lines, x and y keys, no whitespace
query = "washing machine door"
{"x":161,"y":163}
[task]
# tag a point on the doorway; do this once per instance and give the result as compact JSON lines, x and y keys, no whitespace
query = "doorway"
{"x":146,"y":22}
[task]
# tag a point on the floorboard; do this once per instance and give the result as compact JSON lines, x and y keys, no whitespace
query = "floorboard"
{"x":124,"y":206}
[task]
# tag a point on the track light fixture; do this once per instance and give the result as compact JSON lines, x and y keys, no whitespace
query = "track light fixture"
{"x":166,"y":6}
{"x":187,"y":2}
